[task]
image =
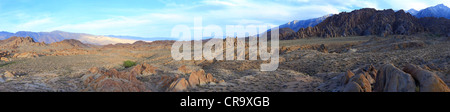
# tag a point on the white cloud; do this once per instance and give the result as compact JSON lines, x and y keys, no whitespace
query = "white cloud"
{"x":33,"y":24}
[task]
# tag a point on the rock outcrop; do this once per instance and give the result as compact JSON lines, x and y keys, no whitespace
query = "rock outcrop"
{"x":387,"y":79}
{"x":428,"y":81}
{"x":100,"y":80}
{"x":179,"y":85}
{"x":355,"y":83}
{"x":200,"y":78}
{"x":26,"y":55}
{"x":144,"y":69}
{"x":391,"y":79}
{"x":196,"y":78}
{"x":6,"y":76}
{"x":15,"y":42}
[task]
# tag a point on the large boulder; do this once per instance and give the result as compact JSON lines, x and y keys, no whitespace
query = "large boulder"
{"x":198,"y":78}
{"x":344,"y":80}
{"x":369,"y":72}
{"x":428,"y":81}
{"x":361,"y":80}
{"x":355,"y":83}
{"x":144,"y":69}
{"x":391,"y":79}
{"x":352,"y":87}
{"x":179,"y":86}
{"x":6,"y":76}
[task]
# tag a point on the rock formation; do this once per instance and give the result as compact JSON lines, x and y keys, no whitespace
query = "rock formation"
{"x":179,"y":85}
{"x":428,"y":81}
{"x":391,"y":79}
{"x":100,"y":80}
{"x":387,"y":79}
{"x":355,"y":83}
{"x":6,"y":76}
{"x":144,"y":69}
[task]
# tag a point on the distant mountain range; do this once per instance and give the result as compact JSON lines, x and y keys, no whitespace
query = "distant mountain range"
{"x":297,"y":24}
{"x":142,"y":38}
{"x":436,"y":11}
{"x":57,"y":36}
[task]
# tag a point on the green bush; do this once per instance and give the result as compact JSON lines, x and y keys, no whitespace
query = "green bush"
{"x":128,"y":63}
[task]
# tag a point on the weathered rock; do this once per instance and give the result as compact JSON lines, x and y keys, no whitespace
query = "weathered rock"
{"x":323,"y":48}
{"x":8,"y":74}
{"x":94,"y":70}
{"x":369,"y":72}
{"x":201,"y":78}
{"x":197,"y":78}
{"x":165,"y":82}
{"x":183,"y":69}
{"x":179,"y":86}
{"x":361,"y":80}
{"x":352,"y":87}
{"x":4,"y":59}
{"x":144,"y":69}
{"x":391,"y":79}
{"x":344,"y":80}
{"x":428,"y":81}
{"x":350,"y":82}
{"x":26,"y":55}
{"x":112,"y":81}
{"x":210,"y":78}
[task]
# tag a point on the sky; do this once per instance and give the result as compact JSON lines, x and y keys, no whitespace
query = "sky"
{"x":156,"y":18}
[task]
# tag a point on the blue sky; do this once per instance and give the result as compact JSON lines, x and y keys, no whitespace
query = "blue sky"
{"x":156,"y":18}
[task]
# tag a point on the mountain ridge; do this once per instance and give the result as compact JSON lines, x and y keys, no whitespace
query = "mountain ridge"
{"x":369,"y":21}
{"x":437,"y":11}
{"x":57,"y":36}
{"x":297,"y":24}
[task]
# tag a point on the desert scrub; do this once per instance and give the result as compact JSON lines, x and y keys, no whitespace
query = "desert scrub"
{"x":128,"y":63}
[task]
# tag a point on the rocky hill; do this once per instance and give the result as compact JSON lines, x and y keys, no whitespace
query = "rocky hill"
{"x":14,"y":42}
{"x":369,"y":21}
